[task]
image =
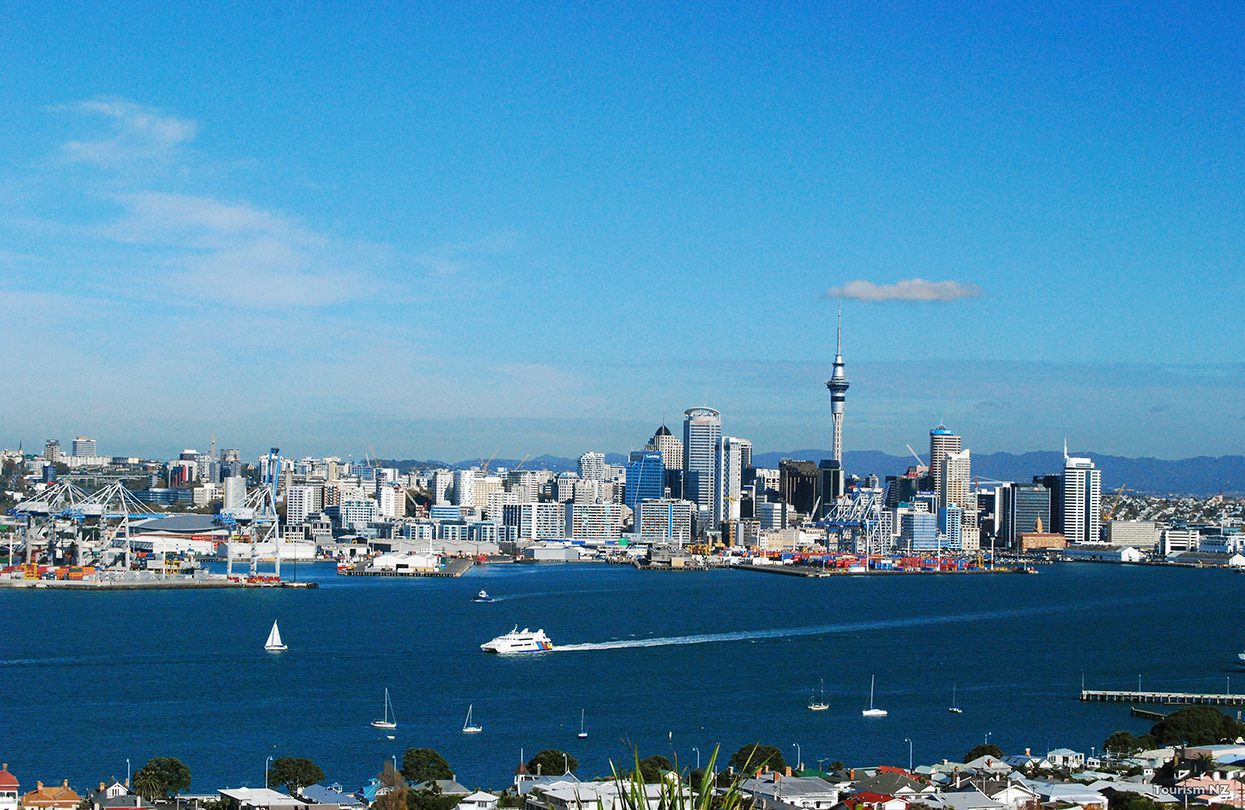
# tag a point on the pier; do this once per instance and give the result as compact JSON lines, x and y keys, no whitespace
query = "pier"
{"x":1172,"y":698}
{"x":454,"y":568}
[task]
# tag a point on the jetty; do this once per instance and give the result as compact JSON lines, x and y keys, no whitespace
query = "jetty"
{"x":1171,"y":698}
{"x":454,"y":568}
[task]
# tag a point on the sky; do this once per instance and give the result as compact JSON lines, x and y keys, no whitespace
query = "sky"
{"x":450,"y":230}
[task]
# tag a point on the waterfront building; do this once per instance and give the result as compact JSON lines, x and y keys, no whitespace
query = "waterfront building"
{"x":1023,"y":507}
{"x":1082,"y":500}
{"x":729,"y":454}
{"x":1039,"y":540}
{"x":838,"y":385}
{"x":1103,"y":552}
{"x":595,"y":522}
{"x":798,"y":484}
{"x":950,"y":526}
{"x":942,"y":442}
{"x":646,"y":478}
{"x":233,"y":493}
{"x":668,"y":518}
{"x":773,"y":515}
{"x":918,"y":529}
{"x":956,"y":475}
{"x":1142,"y":535}
{"x":301,"y":500}
{"x":354,"y":515}
{"x":534,"y":521}
{"x":592,"y":466}
{"x":464,"y":488}
{"x":702,"y":427}
{"x":1175,"y":540}
{"x":82,"y":446}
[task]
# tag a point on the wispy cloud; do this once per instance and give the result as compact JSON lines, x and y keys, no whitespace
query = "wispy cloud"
{"x":138,"y":133}
{"x":912,"y":289}
{"x":238,"y":253}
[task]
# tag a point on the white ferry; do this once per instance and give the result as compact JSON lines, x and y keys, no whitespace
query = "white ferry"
{"x":519,"y":641}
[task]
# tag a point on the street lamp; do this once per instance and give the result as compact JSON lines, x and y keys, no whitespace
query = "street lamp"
{"x":266,"y":761}
{"x":697,"y":750}
{"x":127,"y":771}
{"x":988,"y":733}
{"x":796,"y":746}
{"x":908,"y":740}
{"x":566,"y":765}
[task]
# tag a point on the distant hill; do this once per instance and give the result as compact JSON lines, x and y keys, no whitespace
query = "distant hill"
{"x":1203,"y":475}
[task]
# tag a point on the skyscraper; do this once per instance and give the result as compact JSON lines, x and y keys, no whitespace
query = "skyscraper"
{"x":646,"y":478}
{"x":82,"y":446}
{"x":728,"y":463}
{"x":669,"y":446}
{"x":1082,"y":499}
{"x":941,"y":442}
{"x":702,"y":427}
{"x":592,"y":466}
{"x":838,"y":386}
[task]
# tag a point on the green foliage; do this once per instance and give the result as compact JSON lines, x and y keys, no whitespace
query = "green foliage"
{"x":394,"y":792}
{"x":677,"y":792}
{"x":1123,"y":742}
{"x":752,"y":757}
{"x":1127,"y":800}
{"x":1196,"y":725}
{"x":509,"y":800}
{"x":431,"y":800}
{"x":983,"y":750}
{"x":294,"y":773}
{"x":552,"y":761}
{"x":161,"y":777}
{"x":425,"y":764}
{"x":651,"y":768}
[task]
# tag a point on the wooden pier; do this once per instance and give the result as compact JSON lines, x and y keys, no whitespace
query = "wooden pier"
{"x":1168,"y":698}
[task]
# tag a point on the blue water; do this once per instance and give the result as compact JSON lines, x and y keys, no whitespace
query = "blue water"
{"x":665,"y":662}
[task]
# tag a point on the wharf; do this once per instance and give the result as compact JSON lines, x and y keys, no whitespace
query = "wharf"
{"x":142,"y":584}
{"x":1170,"y":698}
{"x":454,"y":568}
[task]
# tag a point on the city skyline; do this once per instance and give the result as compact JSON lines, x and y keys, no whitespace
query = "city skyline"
{"x":360,"y":229}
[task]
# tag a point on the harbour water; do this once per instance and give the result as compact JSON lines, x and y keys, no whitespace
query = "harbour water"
{"x":667,"y":663}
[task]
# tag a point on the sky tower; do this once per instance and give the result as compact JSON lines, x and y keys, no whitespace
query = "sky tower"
{"x":838,"y":386}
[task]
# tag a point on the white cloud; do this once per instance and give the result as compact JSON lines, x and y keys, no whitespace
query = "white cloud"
{"x":240,"y":254}
{"x":912,"y":289}
{"x":138,"y":133}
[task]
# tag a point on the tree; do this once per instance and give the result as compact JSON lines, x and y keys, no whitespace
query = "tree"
{"x":983,"y":750}
{"x":651,"y":768}
{"x":757,"y":756}
{"x":1196,"y":725}
{"x":552,"y":761}
{"x":161,"y":777}
{"x":1124,"y":742}
{"x":425,"y":765}
{"x":1127,"y":800}
{"x":294,"y":773}
{"x":393,"y":790}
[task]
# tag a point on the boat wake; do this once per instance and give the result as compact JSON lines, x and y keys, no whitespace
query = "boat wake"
{"x":831,"y":629}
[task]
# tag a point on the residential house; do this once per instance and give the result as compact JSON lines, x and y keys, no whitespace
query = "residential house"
{"x":1066,"y":758}
{"x":992,"y":766}
{"x":868,"y":800}
{"x":568,"y":795}
{"x":9,"y":789}
{"x":479,"y":801}
{"x":245,"y":798}
{"x":1064,"y":794}
{"x":809,"y":792}
{"x":1012,"y":794}
{"x":446,"y":787}
{"x":57,"y":797}
{"x":892,"y":783}
{"x":971,"y":799}
{"x":330,"y":795}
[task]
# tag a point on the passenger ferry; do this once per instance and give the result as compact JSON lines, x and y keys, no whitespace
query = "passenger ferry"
{"x":519,"y":641}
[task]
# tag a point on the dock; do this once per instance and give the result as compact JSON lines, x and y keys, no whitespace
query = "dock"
{"x":454,"y":568}
{"x":1170,"y":698}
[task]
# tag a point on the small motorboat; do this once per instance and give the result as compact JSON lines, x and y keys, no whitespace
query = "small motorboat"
{"x":482,"y":596}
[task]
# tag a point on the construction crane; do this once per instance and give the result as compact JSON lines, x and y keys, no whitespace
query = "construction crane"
{"x":485,"y":464}
{"x":919,"y":463}
{"x":526,"y":456}
{"x":1108,"y":512}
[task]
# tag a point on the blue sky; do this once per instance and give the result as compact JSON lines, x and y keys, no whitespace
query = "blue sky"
{"x":447,"y":230}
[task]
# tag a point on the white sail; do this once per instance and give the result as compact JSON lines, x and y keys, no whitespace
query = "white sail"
{"x":274,"y":639}
{"x":389,"y":721}
{"x":468,"y":726}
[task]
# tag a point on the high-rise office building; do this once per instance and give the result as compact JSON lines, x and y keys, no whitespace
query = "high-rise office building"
{"x":728,"y":475}
{"x":838,"y":386}
{"x":464,"y":488}
{"x":797,"y":481}
{"x":646,"y":478}
{"x":592,"y":467}
{"x":300,"y":501}
{"x":702,"y":427}
{"x":82,"y":446}
{"x":669,"y":446}
{"x":941,"y":442}
{"x":52,"y":451}
{"x":668,"y":518}
{"x":1021,"y":507}
{"x":1082,"y":500}
{"x":234,"y":493}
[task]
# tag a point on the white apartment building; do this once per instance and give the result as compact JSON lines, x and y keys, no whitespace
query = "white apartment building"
{"x":534,"y":521}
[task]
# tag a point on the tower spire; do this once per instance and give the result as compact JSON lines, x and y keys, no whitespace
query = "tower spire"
{"x":838,"y":386}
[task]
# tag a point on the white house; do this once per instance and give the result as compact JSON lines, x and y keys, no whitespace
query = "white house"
{"x":8,"y":789}
{"x":1066,"y":758}
{"x":479,"y":801}
{"x":809,"y":792}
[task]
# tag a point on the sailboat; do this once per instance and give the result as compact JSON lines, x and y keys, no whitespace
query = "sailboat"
{"x":872,"y":712}
{"x":954,"y":708}
{"x":818,"y":703}
{"x":468,"y":728}
{"x":273,"y":644}
{"x":389,"y":721}
{"x":583,"y":735}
